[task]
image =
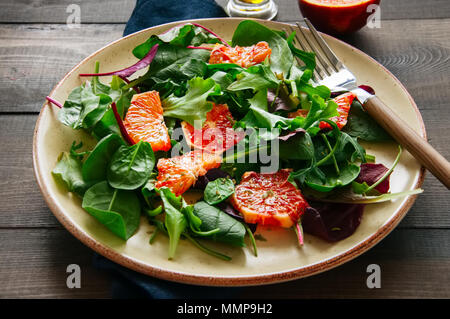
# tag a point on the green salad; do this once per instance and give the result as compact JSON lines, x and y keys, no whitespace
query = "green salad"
{"x":214,"y":139}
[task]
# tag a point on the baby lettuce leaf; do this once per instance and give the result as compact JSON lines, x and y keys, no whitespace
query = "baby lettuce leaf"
{"x":118,"y":210}
{"x":175,"y":221}
{"x":363,"y":126}
{"x":95,"y":166}
{"x":250,"y":32}
{"x":194,"y":105}
{"x":83,"y":108}
{"x":230,"y":231}
{"x":218,"y":190}
{"x":68,"y":172}
{"x":257,"y":78}
{"x":131,"y":166}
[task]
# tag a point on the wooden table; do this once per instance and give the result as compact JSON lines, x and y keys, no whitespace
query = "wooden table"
{"x":37,"y":49}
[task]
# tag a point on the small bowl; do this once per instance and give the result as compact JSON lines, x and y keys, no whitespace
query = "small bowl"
{"x":337,"y":19}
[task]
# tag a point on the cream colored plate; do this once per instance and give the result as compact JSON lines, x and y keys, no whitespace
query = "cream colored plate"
{"x":280,"y":258}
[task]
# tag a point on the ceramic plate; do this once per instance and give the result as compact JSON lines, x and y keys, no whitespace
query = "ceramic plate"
{"x":280,"y":258}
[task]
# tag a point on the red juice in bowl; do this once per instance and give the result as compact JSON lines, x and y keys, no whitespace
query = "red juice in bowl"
{"x":337,"y":16}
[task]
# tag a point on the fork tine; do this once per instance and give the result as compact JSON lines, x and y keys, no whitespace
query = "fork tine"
{"x":321,"y":59}
{"x":318,"y":72}
{"x":325,"y":48}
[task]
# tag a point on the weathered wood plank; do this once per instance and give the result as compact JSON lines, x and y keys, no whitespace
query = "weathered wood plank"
{"x":414,"y":264}
{"x":33,"y":58}
{"x":119,"y":11}
{"x":21,"y":203}
{"x":34,"y":263}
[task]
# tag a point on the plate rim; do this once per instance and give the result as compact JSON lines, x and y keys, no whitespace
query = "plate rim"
{"x":241,"y":280}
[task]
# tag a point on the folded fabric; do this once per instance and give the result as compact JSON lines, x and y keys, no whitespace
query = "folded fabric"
{"x":148,"y":13}
{"x":126,"y":283}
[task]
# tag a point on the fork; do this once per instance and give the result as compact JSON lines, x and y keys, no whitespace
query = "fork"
{"x":331,"y":72}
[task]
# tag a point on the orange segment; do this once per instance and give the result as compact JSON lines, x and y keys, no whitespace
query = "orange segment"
{"x":344,"y":101}
{"x":180,"y":173}
{"x":269,"y":199}
{"x":217,"y":134}
{"x":243,"y":56}
{"x":144,"y":121}
{"x":299,"y":112}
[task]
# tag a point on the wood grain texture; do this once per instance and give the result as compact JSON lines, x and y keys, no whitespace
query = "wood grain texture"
{"x":34,"y":263}
{"x":22,"y":204}
{"x":33,"y":58}
{"x":414,"y":264}
{"x":119,"y":11}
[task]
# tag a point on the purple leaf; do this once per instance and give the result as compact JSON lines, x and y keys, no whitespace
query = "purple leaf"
{"x":124,"y":73}
{"x":371,"y":173}
{"x":276,"y":103}
{"x":210,"y":176}
{"x":291,"y":134}
{"x":332,"y":222}
{"x":122,"y":128}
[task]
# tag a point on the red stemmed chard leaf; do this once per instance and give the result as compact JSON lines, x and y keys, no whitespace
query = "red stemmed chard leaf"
{"x":124,"y":73}
{"x":122,"y":128}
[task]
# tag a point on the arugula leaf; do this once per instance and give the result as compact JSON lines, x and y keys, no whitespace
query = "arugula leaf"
{"x":95,"y":166}
{"x":309,"y":58}
{"x":175,"y":221}
{"x":297,"y":146}
{"x":131,"y":166}
{"x":250,"y":32}
{"x":192,"y":107}
{"x":230,"y":231}
{"x":118,"y":210}
{"x":218,"y":190}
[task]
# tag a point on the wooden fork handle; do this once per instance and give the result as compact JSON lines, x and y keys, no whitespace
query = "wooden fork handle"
{"x":409,"y":139}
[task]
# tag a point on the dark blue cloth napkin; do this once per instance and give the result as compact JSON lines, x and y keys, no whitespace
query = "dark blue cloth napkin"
{"x":149,"y":13}
{"x":125,"y":282}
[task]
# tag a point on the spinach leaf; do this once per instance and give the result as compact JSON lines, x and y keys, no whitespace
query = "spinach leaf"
{"x":348,"y":173}
{"x":250,"y":32}
{"x":117,"y":209}
{"x":68,"y":172}
{"x":363,"y":126}
{"x":95,"y":166}
{"x":218,"y":190}
{"x":230,"y":231}
{"x":175,"y":221}
{"x":192,"y":107}
{"x":296,"y":146}
{"x":131,"y":166}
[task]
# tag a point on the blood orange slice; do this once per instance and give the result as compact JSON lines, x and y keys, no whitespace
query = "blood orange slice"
{"x":180,"y":173}
{"x":217,"y":134}
{"x":269,"y":199}
{"x":144,"y":121}
{"x":243,"y":56}
{"x":344,"y":101}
